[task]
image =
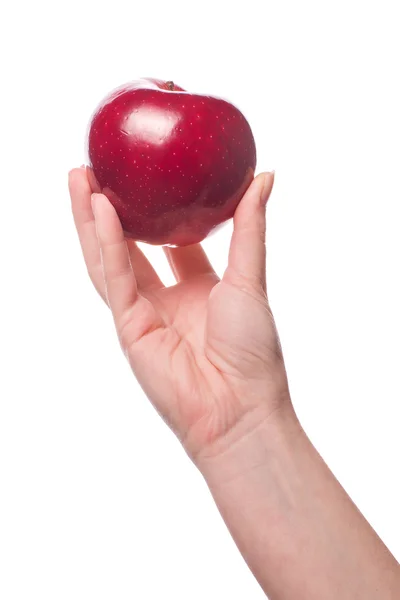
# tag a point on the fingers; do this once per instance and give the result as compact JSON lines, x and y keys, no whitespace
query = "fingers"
{"x":133,"y":314}
{"x":247,"y":256}
{"x":80,"y":192}
{"x":146,"y":277}
{"x":120,"y":282}
{"x":188,"y":261}
{"x":94,"y":184}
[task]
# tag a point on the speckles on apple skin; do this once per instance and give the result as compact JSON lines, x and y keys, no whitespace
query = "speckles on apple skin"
{"x":213,"y":156}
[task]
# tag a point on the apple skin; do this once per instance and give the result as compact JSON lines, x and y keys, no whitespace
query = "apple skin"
{"x":173,"y":164}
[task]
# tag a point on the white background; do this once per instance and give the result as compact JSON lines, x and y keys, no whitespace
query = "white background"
{"x":98,"y":501}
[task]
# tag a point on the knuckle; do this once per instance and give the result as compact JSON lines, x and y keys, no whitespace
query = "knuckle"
{"x":250,"y":282}
{"x":115,"y":274}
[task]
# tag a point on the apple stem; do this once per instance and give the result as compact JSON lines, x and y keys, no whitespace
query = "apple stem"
{"x":170,"y":85}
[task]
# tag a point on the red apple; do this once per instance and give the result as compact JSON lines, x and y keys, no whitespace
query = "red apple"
{"x":174,"y":164}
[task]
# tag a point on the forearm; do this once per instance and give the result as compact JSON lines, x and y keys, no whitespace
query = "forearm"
{"x":297,"y":529}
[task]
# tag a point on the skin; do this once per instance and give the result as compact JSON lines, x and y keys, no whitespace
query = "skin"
{"x":220,"y":382}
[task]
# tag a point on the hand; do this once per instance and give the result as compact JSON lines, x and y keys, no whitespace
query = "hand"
{"x":207,"y":354}
{"x":205,"y":351}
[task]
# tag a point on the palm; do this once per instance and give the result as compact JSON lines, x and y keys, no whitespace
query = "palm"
{"x":170,"y":360}
{"x":200,"y":354}
{"x":197,"y":346}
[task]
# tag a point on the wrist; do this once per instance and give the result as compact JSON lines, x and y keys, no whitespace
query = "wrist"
{"x":256,"y":440}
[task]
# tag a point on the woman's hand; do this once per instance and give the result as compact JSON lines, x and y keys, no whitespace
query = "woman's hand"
{"x":205,"y":351}
{"x":207,"y":354}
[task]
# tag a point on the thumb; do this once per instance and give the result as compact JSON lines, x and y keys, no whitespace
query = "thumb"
{"x":247,"y":255}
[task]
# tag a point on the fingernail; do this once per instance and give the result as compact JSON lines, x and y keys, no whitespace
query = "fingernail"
{"x":267,"y":188}
{"x":82,"y":167}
